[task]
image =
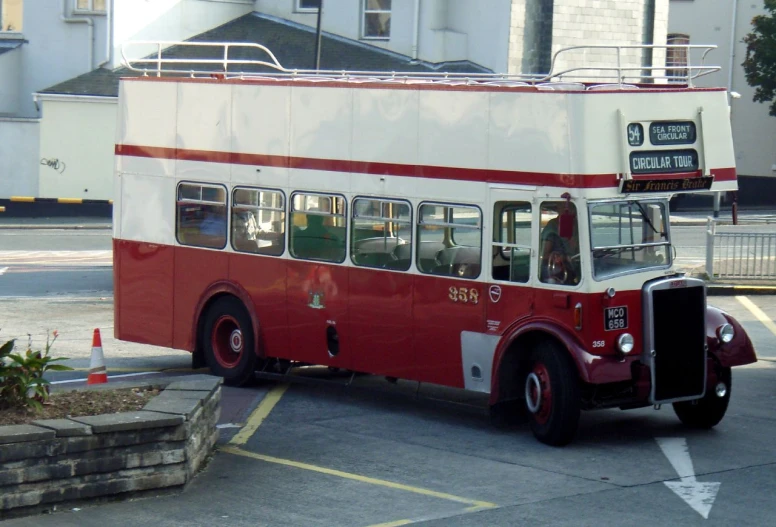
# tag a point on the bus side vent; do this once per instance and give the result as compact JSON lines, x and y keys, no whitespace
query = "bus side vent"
{"x":332,"y":340}
{"x":476,"y":372}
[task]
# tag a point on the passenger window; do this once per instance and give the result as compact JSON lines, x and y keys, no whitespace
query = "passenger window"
{"x":258,"y":221}
{"x":318,"y":227}
{"x":559,"y":244}
{"x":201,"y":215}
{"x":381,"y":234}
{"x":449,"y":240}
{"x":512,"y":242}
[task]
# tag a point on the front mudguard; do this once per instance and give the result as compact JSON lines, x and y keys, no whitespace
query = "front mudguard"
{"x":737,"y":352}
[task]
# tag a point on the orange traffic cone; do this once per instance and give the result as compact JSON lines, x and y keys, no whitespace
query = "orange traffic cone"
{"x":98,"y":374}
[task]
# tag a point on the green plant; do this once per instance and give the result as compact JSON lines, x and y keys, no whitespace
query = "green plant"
{"x":760,"y":63}
{"x":21,"y":374}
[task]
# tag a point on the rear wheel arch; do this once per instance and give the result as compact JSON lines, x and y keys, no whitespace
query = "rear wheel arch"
{"x":209,"y":298}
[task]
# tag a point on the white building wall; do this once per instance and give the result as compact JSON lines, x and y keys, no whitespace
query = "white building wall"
{"x":754,"y":131}
{"x":169,"y":20}
{"x":448,"y":30}
{"x":57,"y":50}
{"x":10,"y":70}
{"x":19,"y":158}
{"x":80,"y":134}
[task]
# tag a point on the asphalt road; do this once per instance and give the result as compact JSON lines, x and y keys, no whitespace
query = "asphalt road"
{"x":377,"y":454}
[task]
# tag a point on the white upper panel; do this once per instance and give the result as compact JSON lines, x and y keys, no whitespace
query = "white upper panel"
{"x":453,"y":129}
{"x":260,"y":119}
{"x":147,"y":113}
{"x":204,"y":116}
{"x":147,"y":208}
{"x":321,"y":122}
{"x":385,"y":126}
{"x":529,"y":132}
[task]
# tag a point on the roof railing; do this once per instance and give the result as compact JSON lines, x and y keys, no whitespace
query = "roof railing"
{"x":623,"y":74}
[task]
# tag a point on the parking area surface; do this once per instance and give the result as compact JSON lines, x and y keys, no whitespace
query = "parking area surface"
{"x":371,"y":453}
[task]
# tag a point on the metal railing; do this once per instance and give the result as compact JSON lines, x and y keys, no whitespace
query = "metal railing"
{"x":739,"y":254}
{"x":249,"y":60}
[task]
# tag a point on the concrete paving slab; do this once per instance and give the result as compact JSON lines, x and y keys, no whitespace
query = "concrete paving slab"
{"x":21,"y":433}
{"x":171,"y":404}
{"x":129,"y":421}
{"x":65,"y":427}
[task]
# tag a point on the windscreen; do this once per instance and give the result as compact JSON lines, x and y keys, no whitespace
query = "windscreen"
{"x":629,"y":236}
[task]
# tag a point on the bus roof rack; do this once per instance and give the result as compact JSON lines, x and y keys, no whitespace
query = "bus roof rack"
{"x":604,"y":65}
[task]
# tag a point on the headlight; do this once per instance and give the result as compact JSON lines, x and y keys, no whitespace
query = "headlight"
{"x":725,"y":333}
{"x":625,"y":343}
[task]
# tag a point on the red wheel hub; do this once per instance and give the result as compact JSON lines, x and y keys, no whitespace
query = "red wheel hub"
{"x":538,"y":393}
{"x":227,"y":341}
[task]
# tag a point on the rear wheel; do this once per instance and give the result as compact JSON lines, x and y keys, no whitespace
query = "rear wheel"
{"x":552,"y":395}
{"x":230,"y":350}
{"x":708,"y":411}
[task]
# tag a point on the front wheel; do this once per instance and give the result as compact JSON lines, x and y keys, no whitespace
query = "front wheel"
{"x":552,"y":395}
{"x":228,"y":341}
{"x":708,"y":411}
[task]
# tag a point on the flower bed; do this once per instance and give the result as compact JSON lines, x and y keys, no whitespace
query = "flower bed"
{"x":62,"y":461}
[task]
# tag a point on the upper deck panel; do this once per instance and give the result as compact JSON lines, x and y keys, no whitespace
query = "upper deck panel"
{"x":485,"y":128}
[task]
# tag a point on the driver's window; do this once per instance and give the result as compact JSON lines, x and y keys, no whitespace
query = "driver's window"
{"x":512,"y":242}
{"x":559,"y":244}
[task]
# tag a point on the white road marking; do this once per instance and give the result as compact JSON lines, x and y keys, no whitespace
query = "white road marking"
{"x":109,"y":377}
{"x":699,"y":496}
{"x":3,"y":270}
{"x":42,"y":258}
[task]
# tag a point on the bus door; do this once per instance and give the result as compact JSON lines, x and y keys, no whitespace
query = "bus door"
{"x":448,"y":301}
{"x":510,"y":295}
{"x":380,"y":289}
{"x":317,"y":286}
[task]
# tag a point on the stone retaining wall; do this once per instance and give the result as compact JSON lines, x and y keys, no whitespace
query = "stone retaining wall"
{"x":57,"y":461}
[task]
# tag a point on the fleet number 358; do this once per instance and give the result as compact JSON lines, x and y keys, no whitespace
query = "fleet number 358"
{"x":464,"y":295}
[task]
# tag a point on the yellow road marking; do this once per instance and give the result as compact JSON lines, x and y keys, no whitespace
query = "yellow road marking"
{"x":362,"y":479}
{"x":757,"y":312}
{"x":397,"y":523}
{"x":70,"y":200}
{"x":23,"y":199}
{"x":259,"y":414}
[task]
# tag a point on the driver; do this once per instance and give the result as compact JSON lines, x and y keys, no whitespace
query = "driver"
{"x":557,"y":251}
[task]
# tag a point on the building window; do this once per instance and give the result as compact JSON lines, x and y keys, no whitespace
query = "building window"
{"x":11,"y":15}
{"x":258,"y":221}
{"x":677,"y":58}
{"x":377,"y":19}
{"x":201,"y":215}
{"x":381,"y":234}
{"x":308,"y":5}
{"x":91,"y":6}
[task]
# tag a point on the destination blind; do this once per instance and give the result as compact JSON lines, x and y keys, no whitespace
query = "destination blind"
{"x":664,"y":162}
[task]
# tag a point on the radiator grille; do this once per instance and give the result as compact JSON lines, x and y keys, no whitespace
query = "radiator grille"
{"x":679,"y":343}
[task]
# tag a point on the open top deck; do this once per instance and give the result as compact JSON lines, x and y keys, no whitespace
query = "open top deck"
{"x":576,"y":68}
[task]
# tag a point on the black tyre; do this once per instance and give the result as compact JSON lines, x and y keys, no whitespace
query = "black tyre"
{"x":552,"y":395}
{"x":228,"y":342}
{"x":709,"y":411}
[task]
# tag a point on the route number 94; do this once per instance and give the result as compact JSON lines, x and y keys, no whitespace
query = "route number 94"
{"x":464,"y":295}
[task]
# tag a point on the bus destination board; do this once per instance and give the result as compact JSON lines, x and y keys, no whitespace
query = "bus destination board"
{"x":630,"y":186}
{"x":663,"y":161}
{"x":672,"y":133}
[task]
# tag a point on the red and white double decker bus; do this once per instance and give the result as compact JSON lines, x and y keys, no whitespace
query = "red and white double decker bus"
{"x":499,"y":234}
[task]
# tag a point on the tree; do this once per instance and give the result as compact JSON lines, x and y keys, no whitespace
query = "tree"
{"x":760,"y":63}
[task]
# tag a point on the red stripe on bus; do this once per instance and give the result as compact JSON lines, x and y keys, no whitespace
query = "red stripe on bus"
{"x":395,"y":169}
